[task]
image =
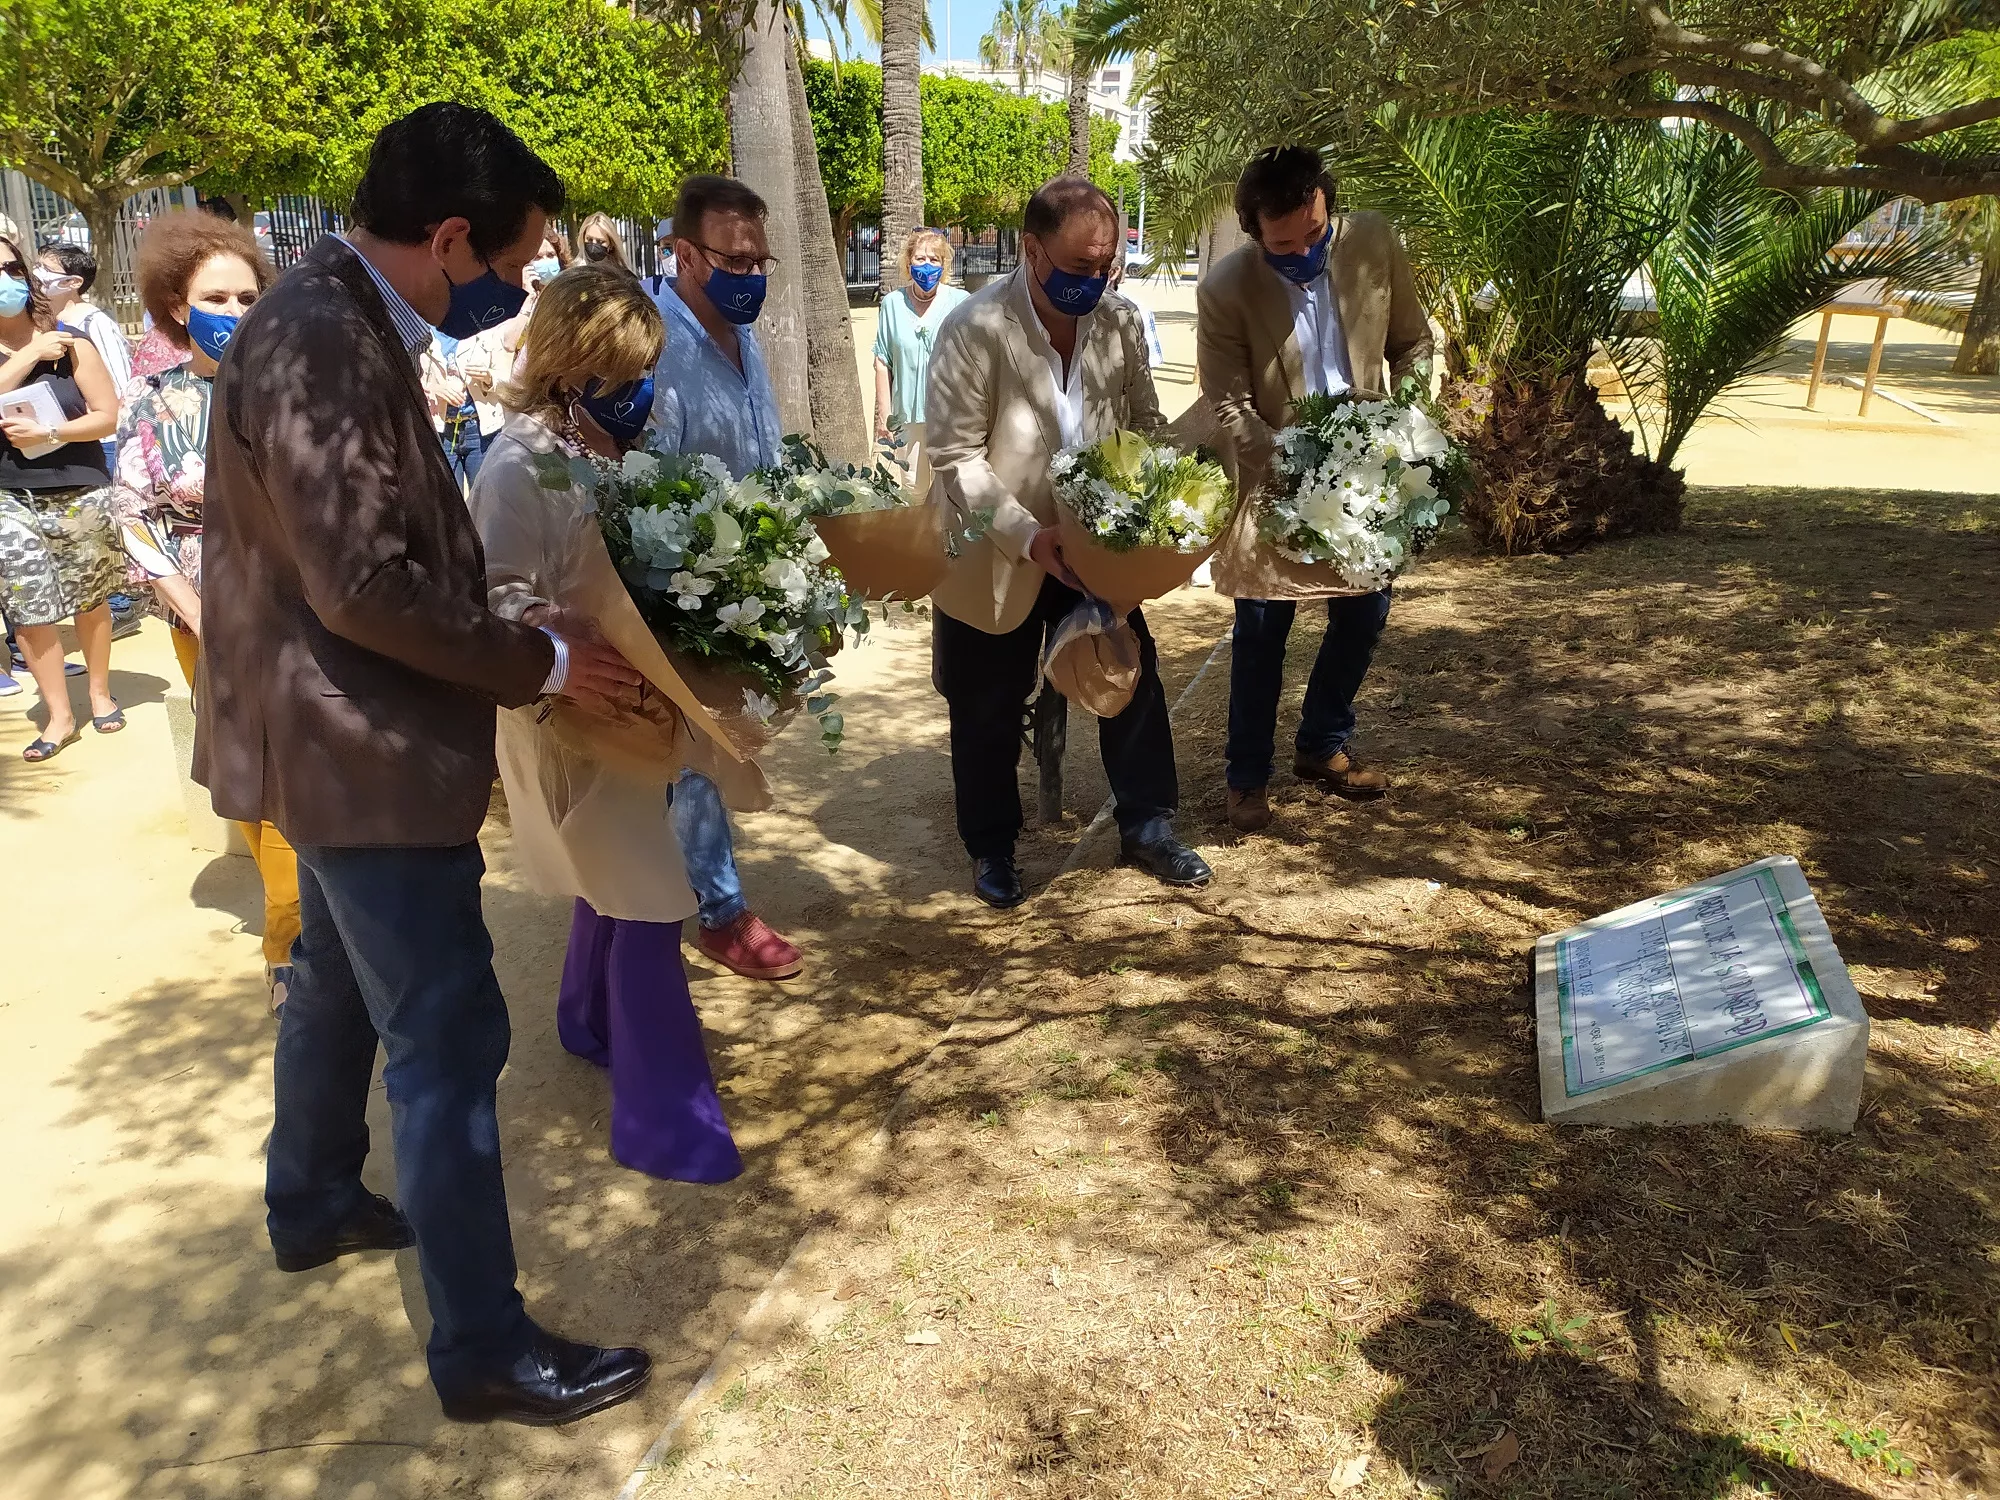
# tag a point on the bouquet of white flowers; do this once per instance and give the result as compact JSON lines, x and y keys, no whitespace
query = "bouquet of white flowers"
{"x":1361,"y":486}
{"x":886,"y":541}
{"x":733,"y":581}
{"x":1137,"y":518}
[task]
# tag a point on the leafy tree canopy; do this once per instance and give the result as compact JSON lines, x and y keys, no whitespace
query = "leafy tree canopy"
{"x":1822,"y":93}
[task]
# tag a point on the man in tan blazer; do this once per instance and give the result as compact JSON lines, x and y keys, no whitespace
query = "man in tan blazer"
{"x":1029,"y":365}
{"x":1316,"y":302}
{"x":349,"y":673}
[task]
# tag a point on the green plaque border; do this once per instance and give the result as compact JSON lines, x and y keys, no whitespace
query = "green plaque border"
{"x":1795,"y":947}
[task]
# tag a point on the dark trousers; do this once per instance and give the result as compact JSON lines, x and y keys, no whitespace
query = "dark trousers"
{"x":393,"y":947}
{"x":986,"y":681}
{"x":1257,"y":676}
{"x":464,"y":448}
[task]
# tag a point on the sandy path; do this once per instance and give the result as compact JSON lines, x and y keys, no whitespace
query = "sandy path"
{"x":151,"y":1348}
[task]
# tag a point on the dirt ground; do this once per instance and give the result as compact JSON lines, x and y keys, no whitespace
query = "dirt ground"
{"x":1244,"y":1192}
{"x":1178,"y":1155}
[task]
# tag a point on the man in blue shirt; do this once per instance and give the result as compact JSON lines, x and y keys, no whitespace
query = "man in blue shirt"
{"x":712,"y":394}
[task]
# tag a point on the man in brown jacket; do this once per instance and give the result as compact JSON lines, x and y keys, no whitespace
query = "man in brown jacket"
{"x":349,"y":673}
{"x":1316,"y":302}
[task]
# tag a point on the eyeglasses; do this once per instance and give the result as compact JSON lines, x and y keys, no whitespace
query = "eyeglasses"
{"x":738,"y":265}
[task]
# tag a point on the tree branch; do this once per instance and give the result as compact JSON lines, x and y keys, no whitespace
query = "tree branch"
{"x":1900,"y":132}
{"x":1671,"y":37}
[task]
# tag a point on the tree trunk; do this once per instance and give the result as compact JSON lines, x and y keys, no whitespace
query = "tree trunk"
{"x":902,"y":134}
{"x":760,"y":138}
{"x":1079,"y":121}
{"x":1979,"y":351}
{"x":833,"y":382}
{"x":843,"y":231}
{"x":100,"y":215}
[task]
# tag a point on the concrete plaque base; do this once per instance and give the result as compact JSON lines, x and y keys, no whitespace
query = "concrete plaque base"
{"x":1724,"y":1002}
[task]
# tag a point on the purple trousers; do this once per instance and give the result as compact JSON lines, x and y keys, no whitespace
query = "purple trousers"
{"x":624,"y":1005}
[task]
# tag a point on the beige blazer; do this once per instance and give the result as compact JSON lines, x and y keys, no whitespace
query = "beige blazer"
{"x":1252,"y":371}
{"x":990,"y":416}
{"x":581,"y":827}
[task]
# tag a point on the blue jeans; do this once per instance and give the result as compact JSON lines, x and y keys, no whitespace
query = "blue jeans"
{"x":394,"y":947}
{"x":1257,"y":677}
{"x":701,"y":823}
{"x":463,"y":448}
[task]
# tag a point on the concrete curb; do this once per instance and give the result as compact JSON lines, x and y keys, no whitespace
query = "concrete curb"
{"x":786,"y":1292}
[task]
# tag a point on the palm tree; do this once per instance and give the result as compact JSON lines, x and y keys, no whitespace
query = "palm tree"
{"x":1062,"y":52}
{"x":903,"y":26}
{"x":1975,"y":223}
{"x":833,"y":385}
{"x":1015,"y":39}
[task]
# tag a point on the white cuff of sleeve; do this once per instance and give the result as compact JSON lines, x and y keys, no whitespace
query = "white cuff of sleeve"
{"x":559,"y":673}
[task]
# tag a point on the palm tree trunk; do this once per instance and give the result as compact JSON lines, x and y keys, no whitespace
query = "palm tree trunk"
{"x":1979,"y":351}
{"x":760,"y":136}
{"x":1079,"y":121}
{"x":833,"y":384}
{"x":902,"y":132}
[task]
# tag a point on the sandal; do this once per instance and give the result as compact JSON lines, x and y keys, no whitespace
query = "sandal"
{"x":41,"y":750}
{"x":109,"y":723}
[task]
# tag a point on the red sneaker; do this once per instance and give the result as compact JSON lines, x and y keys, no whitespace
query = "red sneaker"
{"x":750,"y":948}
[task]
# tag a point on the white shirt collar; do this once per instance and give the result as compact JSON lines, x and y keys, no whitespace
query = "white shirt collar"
{"x":1321,"y":337}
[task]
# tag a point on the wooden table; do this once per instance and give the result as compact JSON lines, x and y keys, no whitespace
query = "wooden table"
{"x":1867,"y":299}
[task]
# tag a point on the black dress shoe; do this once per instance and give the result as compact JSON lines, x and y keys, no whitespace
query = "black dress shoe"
{"x":997,"y":882}
{"x":1166,"y":859}
{"x":556,"y":1381}
{"x":376,"y":1225}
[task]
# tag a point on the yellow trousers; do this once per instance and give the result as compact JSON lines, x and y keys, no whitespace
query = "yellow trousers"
{"x":273,"y":856}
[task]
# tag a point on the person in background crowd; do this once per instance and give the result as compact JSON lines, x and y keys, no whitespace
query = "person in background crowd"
{"x":598,"y":243}
{"x":582,"y":827}
{"x":1156,"y":354}
{"x":551,"y":260}
{"x":452,"y":411}
{"x":1316,"y":302}
{"x":59,"y":554}
{"x":908,"y":327}
{"x":349,"y":675}
{"x":198,"y":275}
{"x":1033,"y":363}
{"x":67,"y":273}
{"x":663,"y":242}
{"x":713,"y":395}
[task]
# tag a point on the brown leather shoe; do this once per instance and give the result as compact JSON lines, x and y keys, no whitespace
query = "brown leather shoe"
{"x":1341,"y":776}
{"x":1249,"y":812}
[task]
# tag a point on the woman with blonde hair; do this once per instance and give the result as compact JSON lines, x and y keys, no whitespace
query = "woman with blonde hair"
{"x":599,"y":243}
{"x":910,"y":318}
{"x":584,"y":827}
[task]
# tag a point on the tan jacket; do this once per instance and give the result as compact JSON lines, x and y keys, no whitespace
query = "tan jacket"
{"x":1252,"y":371}
{"x":349,"y":664}
{"x":582,"y":827}
{"x":990,"y":416}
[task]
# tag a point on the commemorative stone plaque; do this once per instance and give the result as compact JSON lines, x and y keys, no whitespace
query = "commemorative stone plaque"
{"x":1723,"y":1001}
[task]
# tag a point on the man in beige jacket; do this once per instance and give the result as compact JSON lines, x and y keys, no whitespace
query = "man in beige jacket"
{"x":1029,"y":365}
{"x":1315,"y":303}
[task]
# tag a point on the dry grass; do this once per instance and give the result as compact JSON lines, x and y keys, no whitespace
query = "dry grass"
{"x":1244,"y":1193}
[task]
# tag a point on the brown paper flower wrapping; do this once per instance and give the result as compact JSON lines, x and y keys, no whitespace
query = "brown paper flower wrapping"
{"x":1097,"y":671}
{"x":897,"y":552}
{"x":1130,"y":578}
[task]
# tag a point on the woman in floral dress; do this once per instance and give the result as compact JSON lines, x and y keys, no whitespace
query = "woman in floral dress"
{"x":198,"y":274}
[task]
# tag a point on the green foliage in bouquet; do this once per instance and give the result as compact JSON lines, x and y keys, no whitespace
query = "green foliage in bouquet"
{"x":1128,"y":493}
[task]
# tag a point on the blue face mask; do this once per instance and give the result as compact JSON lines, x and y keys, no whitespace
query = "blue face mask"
{"x":1074,"y":294}
{"x":544,"y":268}
{"x":1302,"y":270}
{"x":479,"y":304}
{"x":621,"y":411}
{"x":926,"y":276}
{"x":210,"y":332}
{"x":13,"y":296}
{"x":738,"y":298}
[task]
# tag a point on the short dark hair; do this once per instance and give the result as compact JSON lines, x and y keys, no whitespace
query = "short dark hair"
{"x":75,"y":261}
{"x":1059,"y":200}
{"x":706,"y":193}
{"x":1277,"y":182}
{"x":447,"y":161}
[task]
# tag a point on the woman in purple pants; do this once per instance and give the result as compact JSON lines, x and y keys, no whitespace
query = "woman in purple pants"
{"x":582,"y":826}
